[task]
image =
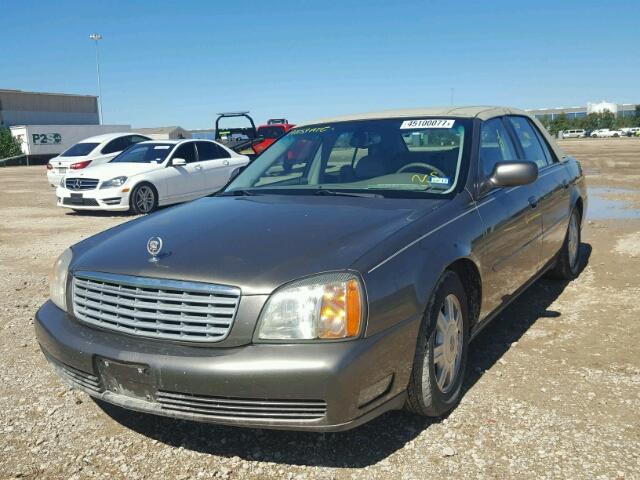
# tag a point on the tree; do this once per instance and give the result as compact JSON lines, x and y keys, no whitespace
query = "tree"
{"x":9,"y":146}
{"x":637,"y":116}
{"x":560,"y":123}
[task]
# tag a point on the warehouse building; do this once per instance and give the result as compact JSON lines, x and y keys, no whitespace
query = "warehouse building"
{"x":37,"y":108}
{"x":618,"y":109}
{"x":164,"y":133}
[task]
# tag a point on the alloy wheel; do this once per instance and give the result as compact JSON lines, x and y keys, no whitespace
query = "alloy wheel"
{"x":448,"y":343}
{"x":145,"y":199}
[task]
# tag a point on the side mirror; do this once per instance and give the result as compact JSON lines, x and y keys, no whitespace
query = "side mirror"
{"x":512,"y":174}
{"x":178,"y":162}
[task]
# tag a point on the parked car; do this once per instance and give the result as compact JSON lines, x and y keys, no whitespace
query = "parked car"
{"x":606,"y":133}
{"x":268,"y":134}
{"x":151,"y":174}
{"x":574,"y":133}
{"x":320,"y":297}
{"x":630,"y":131}
{"x":90,"y":151}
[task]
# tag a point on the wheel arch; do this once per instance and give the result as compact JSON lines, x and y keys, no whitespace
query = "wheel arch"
{"x":469,"y":275}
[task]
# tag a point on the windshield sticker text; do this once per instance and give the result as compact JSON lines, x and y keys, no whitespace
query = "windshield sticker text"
{"x":427,"y":123}
{"x":300,"y":131}
{"x":429,"y":179}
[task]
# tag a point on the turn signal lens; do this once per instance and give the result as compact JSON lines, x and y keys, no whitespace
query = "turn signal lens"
{"x":340,"y":312}
{"x":80,"y":165}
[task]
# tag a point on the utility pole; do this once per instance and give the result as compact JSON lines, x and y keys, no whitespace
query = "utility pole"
{"x":95,"y":37}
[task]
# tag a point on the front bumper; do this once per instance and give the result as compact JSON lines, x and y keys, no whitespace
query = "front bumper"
{"x":111,"y":199}
{"x":324,"y":387}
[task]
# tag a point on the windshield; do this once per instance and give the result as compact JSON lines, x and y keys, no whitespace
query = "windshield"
{"x":270,"y":132}
{"x":394,"y":157}
{"x":80,"y":150}
{"x":145,"y":153}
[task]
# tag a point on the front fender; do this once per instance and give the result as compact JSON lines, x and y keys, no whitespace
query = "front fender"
{"x":399,"y":286}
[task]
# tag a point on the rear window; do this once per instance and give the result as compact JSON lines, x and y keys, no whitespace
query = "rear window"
{"x":80,"y":150}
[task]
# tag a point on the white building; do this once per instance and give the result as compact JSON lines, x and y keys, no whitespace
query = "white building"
{"x":164,"y":133}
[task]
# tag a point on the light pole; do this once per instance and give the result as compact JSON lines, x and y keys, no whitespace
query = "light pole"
{"x":95,"y":37}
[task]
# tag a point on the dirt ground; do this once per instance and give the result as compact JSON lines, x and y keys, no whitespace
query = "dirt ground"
{"x":553,"y":388}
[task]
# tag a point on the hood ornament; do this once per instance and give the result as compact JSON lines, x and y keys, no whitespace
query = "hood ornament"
{"x":154,"y":247}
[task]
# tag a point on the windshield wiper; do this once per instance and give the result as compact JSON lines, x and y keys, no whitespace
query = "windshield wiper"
{"x":338,"y":193}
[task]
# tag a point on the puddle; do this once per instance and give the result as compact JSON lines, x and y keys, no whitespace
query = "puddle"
{"x":602,"y":207}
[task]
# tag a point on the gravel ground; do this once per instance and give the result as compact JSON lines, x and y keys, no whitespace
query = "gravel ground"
{"x":553,"y":387}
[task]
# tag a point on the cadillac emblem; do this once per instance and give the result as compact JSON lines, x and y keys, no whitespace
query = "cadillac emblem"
{"x":154,"y":246}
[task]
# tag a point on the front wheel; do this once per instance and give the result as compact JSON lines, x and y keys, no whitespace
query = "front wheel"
{"x":144,"y":199}
{"x":441,"y":352}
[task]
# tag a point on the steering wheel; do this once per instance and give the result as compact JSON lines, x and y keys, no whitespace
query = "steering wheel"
{"x":430,"y":168}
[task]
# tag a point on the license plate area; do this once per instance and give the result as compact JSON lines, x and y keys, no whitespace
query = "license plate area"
{"x":76,"y":199}
{"x":128,"y":379}
{"x":62,"y":169}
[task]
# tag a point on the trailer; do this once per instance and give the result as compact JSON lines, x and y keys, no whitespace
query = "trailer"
{"x":40,"y":143}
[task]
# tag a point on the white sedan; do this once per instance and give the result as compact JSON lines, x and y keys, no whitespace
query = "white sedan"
{"x":91,"y":151}
{"x":606,"y":133}
{"x":151,"y":174}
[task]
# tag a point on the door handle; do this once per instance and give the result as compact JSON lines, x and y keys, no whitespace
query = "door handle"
{"x":198,"y":167}
{"x":225,"y":163}
{"x":533,"y":202}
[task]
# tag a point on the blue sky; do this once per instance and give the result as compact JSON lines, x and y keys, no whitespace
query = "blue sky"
{"x":178,"y":63}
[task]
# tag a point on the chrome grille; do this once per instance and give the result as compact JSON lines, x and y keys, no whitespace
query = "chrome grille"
{"x":223,"y":407}
{"x":155,"y":308}
{"x":81,"y":183}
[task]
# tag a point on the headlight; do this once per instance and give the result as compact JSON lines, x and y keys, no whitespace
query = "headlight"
{"x":62,"y":183}
{"x":114,"y":182}
{"x":58,"y":284}
{"x":325,"y":307}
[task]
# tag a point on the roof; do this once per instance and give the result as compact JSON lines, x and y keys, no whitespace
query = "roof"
{"x":482,"y":112}
{"x":159,"y":129}
{"x":6,"y":90}
{"x":174,"y":141}
{"x":105,"y":137}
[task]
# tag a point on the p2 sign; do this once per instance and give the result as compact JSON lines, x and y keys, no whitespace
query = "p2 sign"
{"x":46,"y":138}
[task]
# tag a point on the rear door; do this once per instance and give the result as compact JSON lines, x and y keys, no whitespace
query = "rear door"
{"x":216,"y":165}
{"x":185,"y":181}
{"x":510,"y":252}
{"x":553,"y":183}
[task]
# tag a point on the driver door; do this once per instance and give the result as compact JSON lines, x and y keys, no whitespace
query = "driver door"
{"x":511,"y":249}
{"x":185,"y":182}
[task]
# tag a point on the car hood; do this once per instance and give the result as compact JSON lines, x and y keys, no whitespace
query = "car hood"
{"x":256,"y":243}
{"x":107,"y":171}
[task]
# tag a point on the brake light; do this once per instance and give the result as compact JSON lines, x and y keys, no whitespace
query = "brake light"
{"x":49,"y":166}
{"x":80,"y":165}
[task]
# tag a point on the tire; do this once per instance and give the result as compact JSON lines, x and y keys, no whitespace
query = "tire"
{"x":568,"y":261}
{"x":143,"y":199}
{"x":431,"y":392}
